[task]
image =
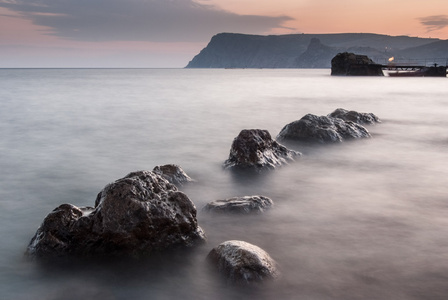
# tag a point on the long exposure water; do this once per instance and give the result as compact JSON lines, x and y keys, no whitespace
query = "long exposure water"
{"x":364,"y":219}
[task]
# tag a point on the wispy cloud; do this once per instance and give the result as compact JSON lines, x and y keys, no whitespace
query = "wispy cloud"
{"x":139,"y":20}
{"x":433,"y":23}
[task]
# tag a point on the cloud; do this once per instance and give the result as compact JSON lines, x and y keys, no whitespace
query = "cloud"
{"x":139,"y":20}
{"x":433,"y":23}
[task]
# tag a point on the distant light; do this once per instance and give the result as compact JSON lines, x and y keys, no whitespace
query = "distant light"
{"x":391,"y":59}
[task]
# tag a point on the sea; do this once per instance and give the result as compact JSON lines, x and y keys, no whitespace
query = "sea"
{"x":363,"y":219}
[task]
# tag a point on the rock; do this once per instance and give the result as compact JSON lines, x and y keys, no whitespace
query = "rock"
{"x":243,"y":263}
{"x":242,"y":205}
{"x":173,"y":173}
{"x":354,"y":65}
{"x":254,"y":148}
{"x":312,"y":128}
{"x":356,"y":117}
{"x":134,"y":216}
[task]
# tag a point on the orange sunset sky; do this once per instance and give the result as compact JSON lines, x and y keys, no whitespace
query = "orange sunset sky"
{"x":168,"y":33}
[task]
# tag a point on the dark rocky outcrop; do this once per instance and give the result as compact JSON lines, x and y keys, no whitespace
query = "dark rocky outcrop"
{"x":242,"y":263}
{"x":322,"y":129}
{"x":173,"y":173}
{"x":254,"y":148}
{"x":241,"y":205}
{"x":357,"y":117}
{"x":351,"y":64}
{"x":134,"y":216}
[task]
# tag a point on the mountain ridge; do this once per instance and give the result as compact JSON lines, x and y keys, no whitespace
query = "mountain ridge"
{"x":236,"y":50}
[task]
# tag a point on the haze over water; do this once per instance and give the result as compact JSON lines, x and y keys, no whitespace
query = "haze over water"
{"x":359,"y":220}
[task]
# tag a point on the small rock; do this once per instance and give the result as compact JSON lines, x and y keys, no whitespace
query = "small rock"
{"x":312,"y":128}
{"x":173,"y":173}
{"x":357,"y":117}
{"x":243,"y":263}
{"x":242,"y":205}
{"x":254,"y":148}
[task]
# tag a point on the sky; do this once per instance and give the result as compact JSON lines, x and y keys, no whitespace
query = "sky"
{"x":169,"y":33}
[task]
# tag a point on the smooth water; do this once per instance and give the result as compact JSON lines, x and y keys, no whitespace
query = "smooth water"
{"x":359,"y":220}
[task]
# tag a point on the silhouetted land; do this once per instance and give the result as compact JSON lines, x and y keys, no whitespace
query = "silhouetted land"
{"x":233,"y":50}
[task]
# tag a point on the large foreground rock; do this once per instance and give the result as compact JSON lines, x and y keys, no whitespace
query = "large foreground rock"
{"x":354,"y":116}
{"x":351,"y":64}
{"x":173,"y":173}
{"x":242,"y":205}
{"x":254,"y":148}
{"x":322,"y":129}
{"x":133,"y":216}
{"x":243,"y":263}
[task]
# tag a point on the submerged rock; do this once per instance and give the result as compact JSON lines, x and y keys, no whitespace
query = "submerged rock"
{"x":312,"y":128}
{"x":242,"y":205}
{"x":254,"y":148}
{"x":173,"y":173}
{"x":357,"y":117}
{"x":243,"y":263}
{"x":133,"y":216}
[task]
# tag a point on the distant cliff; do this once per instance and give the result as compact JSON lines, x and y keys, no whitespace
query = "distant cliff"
{"x":233,"y":50}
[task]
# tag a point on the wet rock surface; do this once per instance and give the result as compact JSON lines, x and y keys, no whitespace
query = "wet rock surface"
{"x":254,"y":148}
{"x":354,"y":116}
{"x":134,"y":216}
{"x":173,"y":173}
{"x":322,"y":129}
{"x":242,"y":263}
{"x":240,"y":205}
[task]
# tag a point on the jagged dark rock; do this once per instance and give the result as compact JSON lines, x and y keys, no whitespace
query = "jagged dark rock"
{"x":173,"y":173}
{"x":241,"y":205}
{"x":255,"y":149}
{"x":322,"y":129}
{"x":357,"y":117}
{"x":134,"y":216}
{"x":351,"y":64}
{"x":242,"y":263}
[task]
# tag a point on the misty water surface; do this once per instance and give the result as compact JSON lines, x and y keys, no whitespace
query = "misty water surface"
{"x":359,"y":220}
